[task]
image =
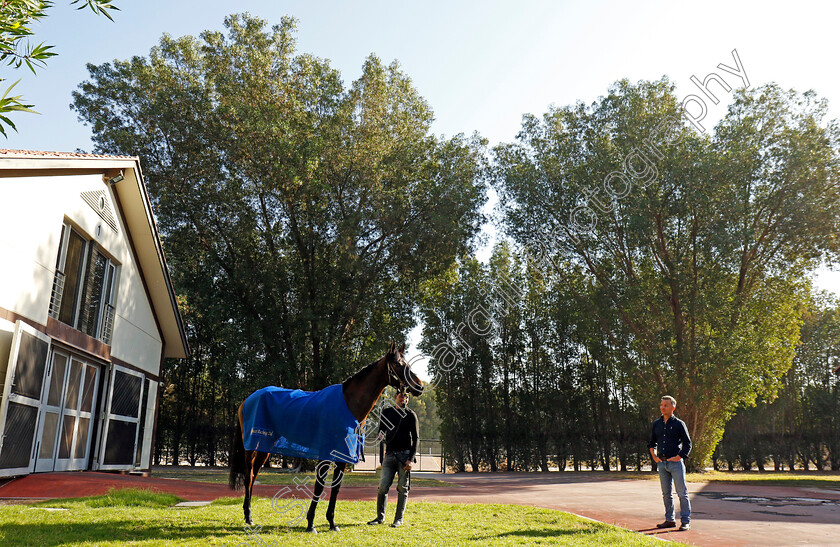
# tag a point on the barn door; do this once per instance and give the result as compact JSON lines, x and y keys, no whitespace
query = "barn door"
{"x":122,"y":419}
{"x":21,"y":403}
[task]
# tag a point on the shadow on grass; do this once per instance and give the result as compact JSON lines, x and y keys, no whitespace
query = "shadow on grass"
{"x":541,"y":533}
{"x":54,"y":535}
{"x":321,"y":525}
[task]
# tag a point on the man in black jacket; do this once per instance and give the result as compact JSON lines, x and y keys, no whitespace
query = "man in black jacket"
{"x":398,"y":427}
{"x":669,"y":445}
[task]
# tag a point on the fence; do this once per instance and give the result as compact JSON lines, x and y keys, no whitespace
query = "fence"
{"x":429,"y":457}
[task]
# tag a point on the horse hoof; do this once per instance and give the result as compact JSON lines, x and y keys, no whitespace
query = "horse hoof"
{"x":249,"y":522}
{"x":335,"y":529}
{"x":311,"y":530}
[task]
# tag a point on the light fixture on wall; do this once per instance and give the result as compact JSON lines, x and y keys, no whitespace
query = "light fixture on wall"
{"x":116,"y":178}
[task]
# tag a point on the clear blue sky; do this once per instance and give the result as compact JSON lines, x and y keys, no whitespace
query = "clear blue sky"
{"x":481,"y":65}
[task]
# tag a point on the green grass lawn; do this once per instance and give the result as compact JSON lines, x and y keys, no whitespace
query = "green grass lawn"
{"x":219,"y":475}
{"x":139,"y":518}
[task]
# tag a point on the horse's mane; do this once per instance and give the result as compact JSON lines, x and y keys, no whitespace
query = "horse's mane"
{"x":364,"y":372}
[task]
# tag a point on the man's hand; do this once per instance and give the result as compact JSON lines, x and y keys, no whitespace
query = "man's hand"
{"x":676,"y":458}
{"x":656,"y":459}
{"x":407,"y":466}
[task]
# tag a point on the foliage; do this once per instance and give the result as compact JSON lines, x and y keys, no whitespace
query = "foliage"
{"x":533,"y":385}
{"x":428,"y":420}
{"x":299,"y":216}
{"x":16,"y":17}
{"x":802,"y":426}
{"x":695,"y":262}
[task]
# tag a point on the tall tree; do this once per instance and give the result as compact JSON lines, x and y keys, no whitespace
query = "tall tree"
{"x":508,"y":342}
{"x":801,"y":426}
{"x":462,"y":364}
{"x":697,"y":243}
{"x":299,"y":216}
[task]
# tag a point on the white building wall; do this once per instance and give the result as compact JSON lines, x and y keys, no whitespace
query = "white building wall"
{"x":32,"y":210}
{"x":30,"y":227}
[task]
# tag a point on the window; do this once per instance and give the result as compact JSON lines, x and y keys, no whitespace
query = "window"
{"x":84,"y":285}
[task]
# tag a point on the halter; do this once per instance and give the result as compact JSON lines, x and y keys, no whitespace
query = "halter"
{"x":394,"y":376}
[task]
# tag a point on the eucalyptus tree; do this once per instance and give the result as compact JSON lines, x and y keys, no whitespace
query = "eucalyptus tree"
{"x":697,"y":243}
{"x":299,"y":215}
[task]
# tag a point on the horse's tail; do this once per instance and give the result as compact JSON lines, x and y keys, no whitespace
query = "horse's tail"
{"x":236,"y":481}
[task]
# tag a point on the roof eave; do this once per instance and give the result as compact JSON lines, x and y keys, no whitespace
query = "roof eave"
{"x":132,"y":187}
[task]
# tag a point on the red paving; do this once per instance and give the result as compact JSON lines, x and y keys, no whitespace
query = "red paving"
{"x":83,"y":484}
{"x":723,"y":514}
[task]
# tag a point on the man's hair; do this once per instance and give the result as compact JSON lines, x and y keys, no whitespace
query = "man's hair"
{"x":669,"y":398}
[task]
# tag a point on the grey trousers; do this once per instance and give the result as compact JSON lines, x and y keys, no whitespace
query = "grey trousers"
{"x":391,"y":466}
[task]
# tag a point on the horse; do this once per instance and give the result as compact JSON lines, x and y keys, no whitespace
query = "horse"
{"x":360,"y":393}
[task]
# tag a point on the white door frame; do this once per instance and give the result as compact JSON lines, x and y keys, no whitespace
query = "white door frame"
{"x":71,"y":463}
{"x":110,"y":418}
{"x":9,"y":397}
{"x":47,"y":463}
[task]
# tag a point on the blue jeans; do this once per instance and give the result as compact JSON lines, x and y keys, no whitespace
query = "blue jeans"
{"x":675,"y":471}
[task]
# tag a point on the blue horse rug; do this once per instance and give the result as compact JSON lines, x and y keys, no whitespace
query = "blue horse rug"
{"x":307,"y":424}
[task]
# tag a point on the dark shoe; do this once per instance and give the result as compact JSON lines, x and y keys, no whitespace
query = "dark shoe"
{"x":685,"y":526}
{"x":375,"y":521}
{"x":397,"y":524}
{"x":667,"y":524}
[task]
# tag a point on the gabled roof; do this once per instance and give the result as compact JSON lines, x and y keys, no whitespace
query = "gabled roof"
{"x":136,"y":209}
{"x":58,"y":155}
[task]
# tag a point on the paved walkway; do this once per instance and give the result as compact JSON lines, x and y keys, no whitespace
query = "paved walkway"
{"x":724,"y":514}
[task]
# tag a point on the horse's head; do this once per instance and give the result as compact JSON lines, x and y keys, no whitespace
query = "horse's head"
{"x":399,"y":372}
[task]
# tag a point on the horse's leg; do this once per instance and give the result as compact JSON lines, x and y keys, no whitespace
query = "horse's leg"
{"x":246,"y":503}
{"x":338,"y":476}
{"x":253,"y":465}
{"x":320,"y":478}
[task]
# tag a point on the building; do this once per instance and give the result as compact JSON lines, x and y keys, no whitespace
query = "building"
{"x":87,"y":314}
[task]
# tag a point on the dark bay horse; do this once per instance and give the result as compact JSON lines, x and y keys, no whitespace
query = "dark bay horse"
{"x":360,"y":391}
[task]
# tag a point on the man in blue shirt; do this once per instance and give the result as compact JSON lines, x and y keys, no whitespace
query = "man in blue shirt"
{"x":669,"y":445}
